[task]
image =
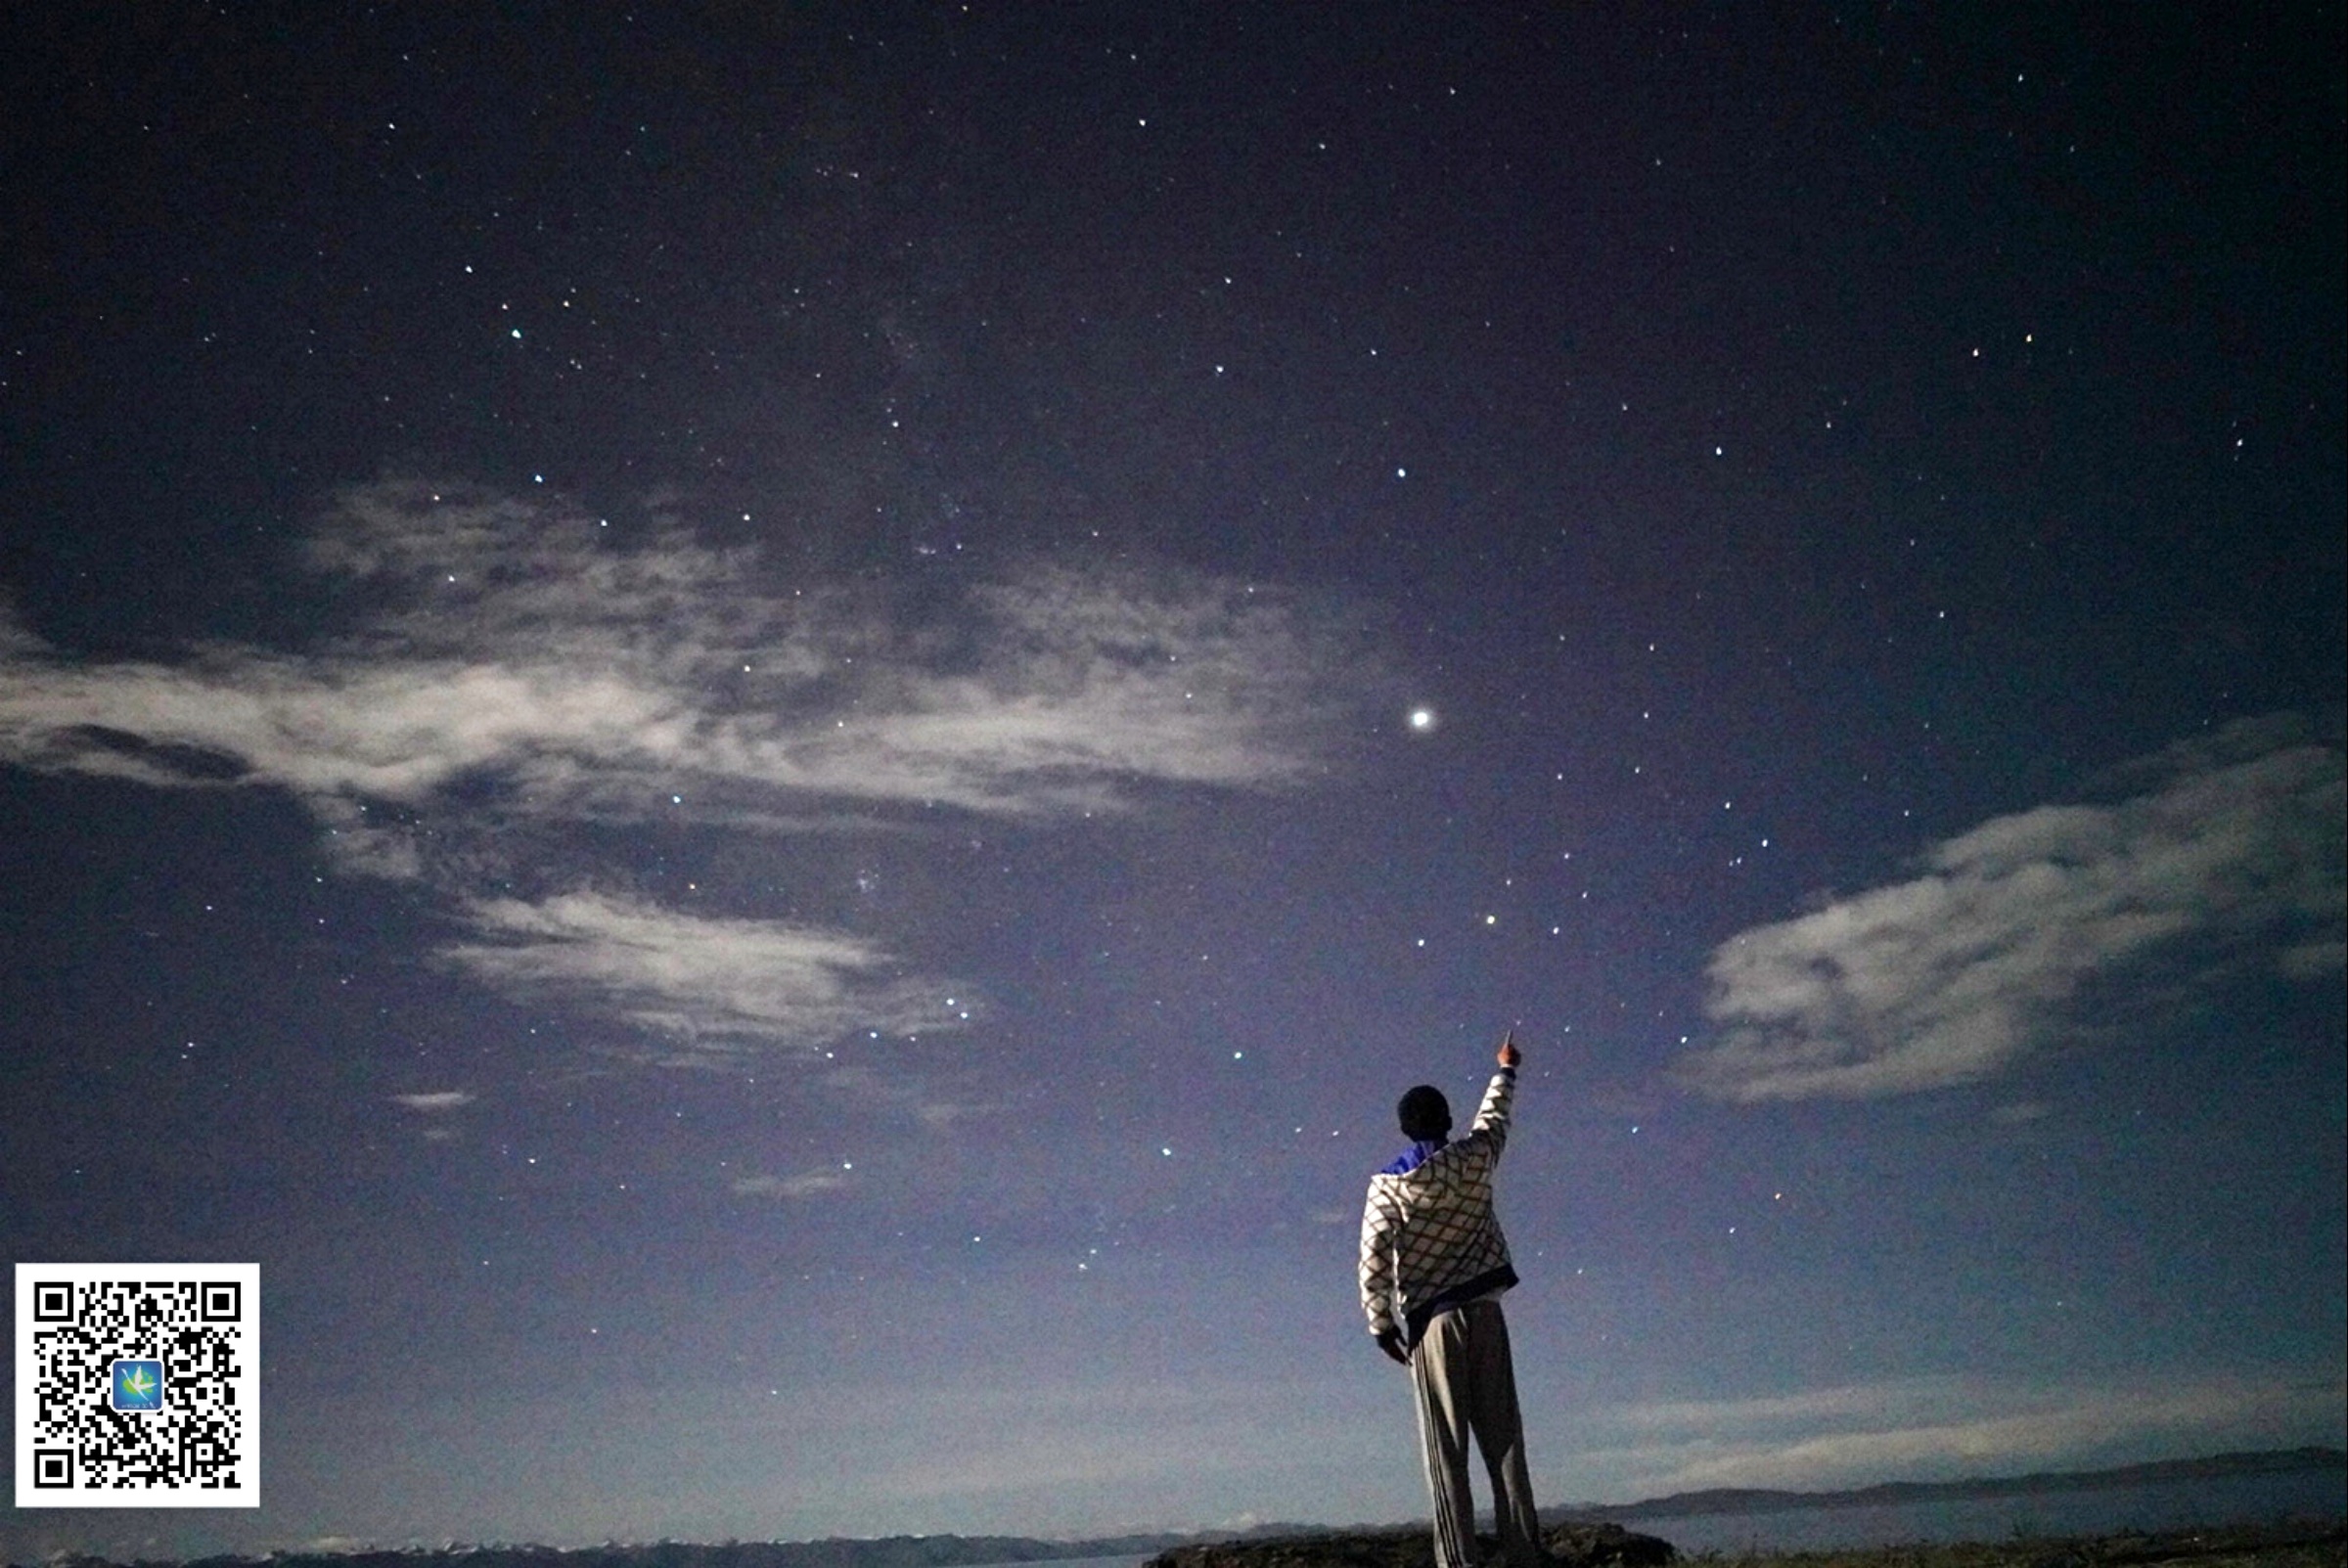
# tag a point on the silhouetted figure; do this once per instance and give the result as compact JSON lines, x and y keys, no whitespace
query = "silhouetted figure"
{"x":1434,"y":1266}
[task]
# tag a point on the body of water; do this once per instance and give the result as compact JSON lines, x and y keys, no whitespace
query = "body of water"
{"x":2086,"y":1511}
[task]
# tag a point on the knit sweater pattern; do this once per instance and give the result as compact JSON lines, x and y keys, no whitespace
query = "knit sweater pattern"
{"x":1430,"y":1238}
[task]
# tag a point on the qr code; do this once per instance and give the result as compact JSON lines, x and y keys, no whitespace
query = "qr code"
{"x":138,"y":1385}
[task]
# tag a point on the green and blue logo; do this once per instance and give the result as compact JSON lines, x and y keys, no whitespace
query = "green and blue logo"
{"x":138,"y":1385}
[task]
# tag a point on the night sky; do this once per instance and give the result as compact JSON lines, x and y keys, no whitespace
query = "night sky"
{"x":763,"y":735}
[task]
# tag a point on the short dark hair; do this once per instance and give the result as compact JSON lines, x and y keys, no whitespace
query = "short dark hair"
{"x":1424,"y":1113}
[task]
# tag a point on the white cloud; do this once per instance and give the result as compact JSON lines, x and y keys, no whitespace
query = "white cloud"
{"x":434,"y":1100}
{"x":499,"y":640}
{"x":501,"y":667}
{"x":1946,"y":1427}
{"x":706,"y":988}
{"x":1954,"y":975}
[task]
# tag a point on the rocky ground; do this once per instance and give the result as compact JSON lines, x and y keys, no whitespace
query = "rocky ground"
{"x":1572,"y":1546}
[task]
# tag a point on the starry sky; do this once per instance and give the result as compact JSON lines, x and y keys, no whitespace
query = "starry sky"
{"x":763,"y":735}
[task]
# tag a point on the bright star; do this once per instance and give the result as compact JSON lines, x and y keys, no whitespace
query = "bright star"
{"x":1423,"y":719}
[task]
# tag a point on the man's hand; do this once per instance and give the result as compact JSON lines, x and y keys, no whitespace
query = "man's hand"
{"x":1509,"y":1056}
{"x":1390,"y":1341}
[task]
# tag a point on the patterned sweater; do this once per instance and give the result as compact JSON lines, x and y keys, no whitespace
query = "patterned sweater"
{"x":1429,"y":1240}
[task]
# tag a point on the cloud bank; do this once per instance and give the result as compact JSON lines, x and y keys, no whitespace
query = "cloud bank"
{"x":1950,"y":1427}
{"x":501,"y":669}
{"x":2231,"y":847}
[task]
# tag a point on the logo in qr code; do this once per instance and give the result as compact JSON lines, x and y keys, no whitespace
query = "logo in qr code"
{"x":138,"y":1385}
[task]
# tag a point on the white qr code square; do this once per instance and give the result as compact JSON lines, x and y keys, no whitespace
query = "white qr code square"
{"x":138,"y":1385}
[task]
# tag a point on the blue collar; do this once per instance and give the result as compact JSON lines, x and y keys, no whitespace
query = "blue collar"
{"x":1417,"y":1155}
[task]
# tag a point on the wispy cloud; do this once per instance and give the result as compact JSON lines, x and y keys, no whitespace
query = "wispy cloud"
{"x":807,"y":1184}
{"x":433,"y":1106}
{"x":434,"y":1100}
{"x":706,"y":987}
{"x":1945,"y":1427}
{"x":493,"y":639}
{"x":500,"y":666}
{"x":1954,"y":975}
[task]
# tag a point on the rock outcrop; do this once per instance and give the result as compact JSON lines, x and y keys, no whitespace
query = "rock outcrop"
{"x":1569,"y":1546}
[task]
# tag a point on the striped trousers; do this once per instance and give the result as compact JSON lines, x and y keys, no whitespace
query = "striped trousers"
{"x":1467,"y":1384}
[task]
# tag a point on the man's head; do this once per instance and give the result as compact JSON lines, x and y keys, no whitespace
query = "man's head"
{"x":1424,"y":1115}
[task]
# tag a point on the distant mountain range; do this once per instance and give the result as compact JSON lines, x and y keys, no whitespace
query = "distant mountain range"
{"x":955,"y":1551}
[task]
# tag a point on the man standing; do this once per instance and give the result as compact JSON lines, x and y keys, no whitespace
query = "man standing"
{"x":1434,"y":1266}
